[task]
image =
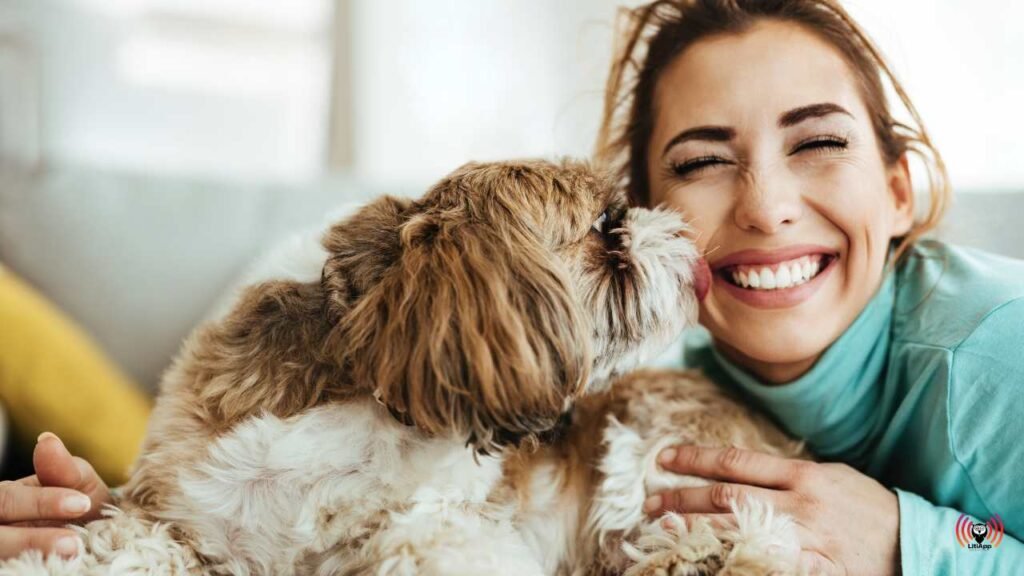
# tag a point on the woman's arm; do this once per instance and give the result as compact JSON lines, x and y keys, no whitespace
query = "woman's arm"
{"x":929,"y":544}
{"x":986,"y":434}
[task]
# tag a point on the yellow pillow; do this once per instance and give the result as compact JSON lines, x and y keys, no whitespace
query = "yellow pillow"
{"x":53,"y":377}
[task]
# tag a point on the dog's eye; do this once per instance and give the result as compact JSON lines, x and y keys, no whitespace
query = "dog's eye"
{"x":598,"y":225}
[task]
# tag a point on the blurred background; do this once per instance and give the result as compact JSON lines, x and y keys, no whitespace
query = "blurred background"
{"x":150,"y":149}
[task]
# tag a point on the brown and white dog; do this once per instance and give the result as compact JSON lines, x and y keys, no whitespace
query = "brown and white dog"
{"x":434,"y":397}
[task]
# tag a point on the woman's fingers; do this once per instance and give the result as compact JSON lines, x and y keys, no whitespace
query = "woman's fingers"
{"x":715,"y":498}
{"x":732,"y":464}
{"x":62,"y":541}
{"x":56,"y":467}
{"x":32,"y":480}
{"x":21,"y":503}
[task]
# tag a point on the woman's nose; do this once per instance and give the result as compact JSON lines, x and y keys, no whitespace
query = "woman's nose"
{"x":767,"y":202}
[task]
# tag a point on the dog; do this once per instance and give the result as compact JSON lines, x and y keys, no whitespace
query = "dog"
{"x":447,"y":392}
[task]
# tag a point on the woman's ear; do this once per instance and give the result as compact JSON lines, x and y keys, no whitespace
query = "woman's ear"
{"x":901,"y":192}
{"x":474,"y":329}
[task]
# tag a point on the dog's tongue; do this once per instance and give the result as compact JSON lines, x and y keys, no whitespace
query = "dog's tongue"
{"x":701,"y":278}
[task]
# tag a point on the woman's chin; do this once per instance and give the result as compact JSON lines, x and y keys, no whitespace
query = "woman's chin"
{"x":783,"y":336}
{"x":775,"y":352}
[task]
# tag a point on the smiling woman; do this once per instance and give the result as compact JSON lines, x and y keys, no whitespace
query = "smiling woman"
{"x":798,"y":171}
{"x":766,"y":123}
{"x":739,"y":164}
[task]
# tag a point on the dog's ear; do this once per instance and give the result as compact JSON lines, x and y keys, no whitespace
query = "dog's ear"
{"x":267,"y":354}
{"x":360,"y":250}
{"x":274,"y":350}
{"x":473,"y":329}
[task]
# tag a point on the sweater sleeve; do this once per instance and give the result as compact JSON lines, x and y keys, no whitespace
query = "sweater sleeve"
{"x":985,"y":404}
{"x":986,"y":412}
{"x":929,"y":546}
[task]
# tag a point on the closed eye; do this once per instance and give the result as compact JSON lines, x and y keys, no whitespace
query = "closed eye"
{"x":696,"y":165}
{"x":821,"y":143}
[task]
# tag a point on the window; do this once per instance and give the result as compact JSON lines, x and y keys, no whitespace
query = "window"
{"x":234,"y":88}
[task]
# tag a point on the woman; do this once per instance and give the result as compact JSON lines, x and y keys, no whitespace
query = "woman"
{"x":765,"y":122}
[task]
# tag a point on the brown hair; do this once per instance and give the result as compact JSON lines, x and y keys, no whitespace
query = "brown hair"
{"x":465,"y":322}
{"x":654,"y":34}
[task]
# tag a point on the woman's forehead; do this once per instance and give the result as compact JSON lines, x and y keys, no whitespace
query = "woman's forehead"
{"x":753,"y":77}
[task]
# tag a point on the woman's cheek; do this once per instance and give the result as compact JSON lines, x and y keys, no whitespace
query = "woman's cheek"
{"x":705,"y":209}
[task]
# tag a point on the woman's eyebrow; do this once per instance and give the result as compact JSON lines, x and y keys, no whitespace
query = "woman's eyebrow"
{"x":798,"y":115}
{"x":708,"y":133}
{"x":787,"y":119}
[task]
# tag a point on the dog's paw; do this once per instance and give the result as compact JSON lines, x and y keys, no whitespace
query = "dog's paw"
{"x":762,"y":541}
{"x":676,"y":565}
{"x":669,"y":547}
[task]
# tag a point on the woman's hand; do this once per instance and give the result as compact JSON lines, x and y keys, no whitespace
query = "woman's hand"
{"x":64,"y":489}
{"x":847,"y":522}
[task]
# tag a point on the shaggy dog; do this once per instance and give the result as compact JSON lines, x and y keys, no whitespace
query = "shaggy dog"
{"x":436,"y":398}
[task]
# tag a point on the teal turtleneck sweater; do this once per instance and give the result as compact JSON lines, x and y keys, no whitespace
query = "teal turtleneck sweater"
{"x":924,"y":392}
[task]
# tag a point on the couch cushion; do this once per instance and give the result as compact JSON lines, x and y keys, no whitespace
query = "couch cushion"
{"x":138,"y":260}
{"x":45,"y":360}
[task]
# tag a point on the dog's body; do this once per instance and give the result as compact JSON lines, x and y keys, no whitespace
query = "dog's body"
{"x":381,"y":415}
{"x":606,"y":466}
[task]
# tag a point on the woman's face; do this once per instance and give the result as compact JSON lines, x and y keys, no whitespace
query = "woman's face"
{"x":763,"y":141}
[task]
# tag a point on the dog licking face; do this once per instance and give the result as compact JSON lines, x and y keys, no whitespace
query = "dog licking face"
{"x":321,"y":426}
{"x":489,"y":304}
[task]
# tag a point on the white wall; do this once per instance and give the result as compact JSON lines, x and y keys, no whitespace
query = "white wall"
{"x":241,"y":87}
{"x":437,"y":83}
{"x":962,"y":62}
{"x":225,"y":88}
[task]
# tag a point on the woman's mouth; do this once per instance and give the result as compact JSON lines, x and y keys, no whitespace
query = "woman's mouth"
{"x":779,"y":279}
{"x":778,"y":276}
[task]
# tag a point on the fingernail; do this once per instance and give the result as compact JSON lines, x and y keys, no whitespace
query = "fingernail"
{"x":667,"y":455}
{"x":45,"y":435}
{"x":77,"y":504}
{"x":653,"y":503}
{"x":67,"y":546}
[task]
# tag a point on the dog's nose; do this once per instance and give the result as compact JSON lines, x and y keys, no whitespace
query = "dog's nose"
{"x":701,"y":278}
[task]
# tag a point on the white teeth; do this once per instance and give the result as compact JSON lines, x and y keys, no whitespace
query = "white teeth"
{"x":796,"y":274}
{"x":786,"y":275}
{"x":783,"y":278}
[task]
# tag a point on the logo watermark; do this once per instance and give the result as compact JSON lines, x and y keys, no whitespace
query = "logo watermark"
{"x":979,"y":536}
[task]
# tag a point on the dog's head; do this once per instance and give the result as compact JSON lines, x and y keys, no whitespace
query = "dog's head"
{"x":485,"y":307}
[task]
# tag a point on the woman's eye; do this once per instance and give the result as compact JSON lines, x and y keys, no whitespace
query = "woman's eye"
{"x":822,"y":144}
{"x":695,"y":165}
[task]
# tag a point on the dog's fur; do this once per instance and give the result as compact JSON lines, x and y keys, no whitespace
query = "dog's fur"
{"x":409,"y":407}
